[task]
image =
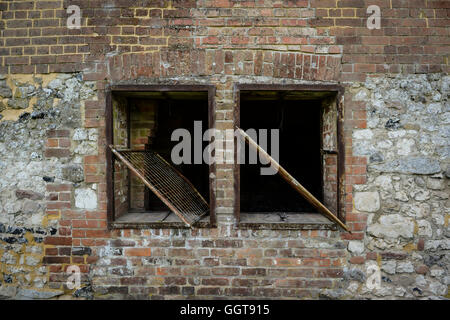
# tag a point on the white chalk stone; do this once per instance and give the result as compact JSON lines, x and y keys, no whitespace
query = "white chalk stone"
{"x":365,"y":134}
{"x":85,"y":199}
{"x":356,"y":247}
{"x":389,"y":266}
{"x":405,"y":267}
{"x":392,"y":226}
{"x":367,"y":201}
{"x":405,"y":146}
{"x":424,"y":228}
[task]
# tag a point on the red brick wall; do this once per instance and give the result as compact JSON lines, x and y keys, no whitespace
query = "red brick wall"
{"x":217,"y":42}
{"x":35,"y":37}
{"x":142,"y":117}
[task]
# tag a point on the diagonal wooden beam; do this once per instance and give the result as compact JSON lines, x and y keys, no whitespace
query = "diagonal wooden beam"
{"x":293,"y":182}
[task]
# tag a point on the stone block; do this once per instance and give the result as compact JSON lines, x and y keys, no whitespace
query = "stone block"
{"x":410,"y":165}
{"x":85,"y":198}
{"x":367,"y":201}
{"x":392,"y":226}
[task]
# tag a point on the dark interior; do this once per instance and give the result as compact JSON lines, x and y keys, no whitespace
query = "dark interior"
{"x":299,"y":153}
{"x":174,"y":113}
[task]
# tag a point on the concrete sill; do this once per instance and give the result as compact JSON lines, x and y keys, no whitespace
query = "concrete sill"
{"x":255,"y":221}
{"x":155,"y":220}
{"x":294,"y":221}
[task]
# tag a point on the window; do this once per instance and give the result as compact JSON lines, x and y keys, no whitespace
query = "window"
{"x":309,"y":122}
{"x":145,"y":187}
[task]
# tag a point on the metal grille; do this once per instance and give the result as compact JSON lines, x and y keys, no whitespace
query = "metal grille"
{"x":166,"y":183}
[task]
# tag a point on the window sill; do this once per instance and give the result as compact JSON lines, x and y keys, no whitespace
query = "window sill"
{"x":294,"y":221}
{"x":256,"y":221}
{"x":155,"y":220}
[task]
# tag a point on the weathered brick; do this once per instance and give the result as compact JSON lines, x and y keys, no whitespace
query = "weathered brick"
{"x":138,"y":252}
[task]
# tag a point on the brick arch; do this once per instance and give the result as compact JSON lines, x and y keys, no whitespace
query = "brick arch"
{"x":169,"y":63}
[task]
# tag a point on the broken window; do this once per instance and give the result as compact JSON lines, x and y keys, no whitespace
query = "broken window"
{"x":145,"y":186}
{"x":308,"y":151}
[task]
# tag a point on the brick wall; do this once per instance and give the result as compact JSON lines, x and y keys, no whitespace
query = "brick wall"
{"x":35,"y":38}
{"x":219,"y":42}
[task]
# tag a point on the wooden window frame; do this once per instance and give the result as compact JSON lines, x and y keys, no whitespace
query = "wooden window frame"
{"x":112,"y":224}
{"x":340,"y":201}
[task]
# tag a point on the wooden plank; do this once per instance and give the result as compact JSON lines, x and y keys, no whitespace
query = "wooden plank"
{"x":341,"y":156}
{"x":294,"y":221}
{"x":110,"y":206}
{"x":155,"y":219}
{"x":236,"y":166}
{"x":212,"y":166}
{"x":293,"y":182}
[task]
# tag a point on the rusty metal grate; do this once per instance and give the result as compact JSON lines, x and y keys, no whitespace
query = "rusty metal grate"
{"x":169,"y":185}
